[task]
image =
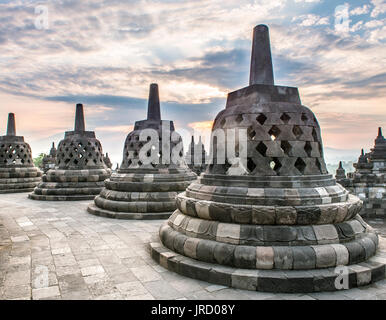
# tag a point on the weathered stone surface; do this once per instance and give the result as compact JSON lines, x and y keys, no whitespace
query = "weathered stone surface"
{"x":145,"y":187}
{"x":79,"y":171}
{"x":17,"y":170}
{"x":274,"y":211}
{"x":368,"y":181}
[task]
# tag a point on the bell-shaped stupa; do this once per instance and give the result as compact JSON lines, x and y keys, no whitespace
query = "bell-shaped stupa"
{"x":79,"y":171}
{"x":152,"y":172}
{"x":368,"y":182}
{"x":196,"y":156}
{"x":49,"y":160}
{"x":17,"y":170}
{"x":268,"y":216}
{"x":107,"y":161}
{"x":340,"y":172}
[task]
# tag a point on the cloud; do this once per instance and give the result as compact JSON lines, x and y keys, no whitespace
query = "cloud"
{"x":360,"y":10}
{"x":312,"y":20}
{"x":308,"y":1}
{"x":106,"y":53}
{"x":119,"y":129}
{"x":379,"y":7}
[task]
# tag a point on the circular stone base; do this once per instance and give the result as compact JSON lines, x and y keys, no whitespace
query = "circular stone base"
{"x":16,"y":190}
{"x":284,"y":281}
{"x":93,"y":209}
{"x":34,"y":196}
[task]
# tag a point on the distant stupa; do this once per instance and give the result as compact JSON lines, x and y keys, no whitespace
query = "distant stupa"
{"x":144,"y":188}
{"x":17,"y":170}
{"x":368,"y":182}
{"x":79,"y":171}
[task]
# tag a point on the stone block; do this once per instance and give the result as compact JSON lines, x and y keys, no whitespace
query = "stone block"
{"x":304,"y":258}
{"x":264,"y":258}
{"x":283,"y":258}
{"x":325,"y":256}
{"x":245,"y":257}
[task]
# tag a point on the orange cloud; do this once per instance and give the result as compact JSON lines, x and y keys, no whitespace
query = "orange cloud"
{"x":201,"y":125}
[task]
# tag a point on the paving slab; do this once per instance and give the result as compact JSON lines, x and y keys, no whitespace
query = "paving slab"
{"x":89,"y":257}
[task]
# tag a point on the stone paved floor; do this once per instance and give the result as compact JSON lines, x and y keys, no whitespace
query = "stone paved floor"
{"x":89,"y":257}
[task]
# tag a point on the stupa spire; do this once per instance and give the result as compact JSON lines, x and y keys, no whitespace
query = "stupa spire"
{"x":153,"y":109}
{"x":11,"y":126}
{"x":261,"y":60}
{"x":79,"y":118}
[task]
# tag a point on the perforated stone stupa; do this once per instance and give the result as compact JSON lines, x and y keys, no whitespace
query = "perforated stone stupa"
{"x":196,"y":156}
{"x":368,"y":182}
{"x":79,"y":171}
{"x":49,"y":160}
{"x":17,"y":170}
{"x":142,"y":190}
{"x":107,"y":161}
{"x":282,"y":224}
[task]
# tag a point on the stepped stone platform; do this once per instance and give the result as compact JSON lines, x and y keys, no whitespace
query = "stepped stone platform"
{"x":90,"y":257}
{"x":140,"y":189}
{"x":17,"y":170}
{"x":79,"y":171}
{"x":274,"y":219}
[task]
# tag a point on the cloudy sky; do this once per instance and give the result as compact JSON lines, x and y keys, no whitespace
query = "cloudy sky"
{"x":104,"y":54}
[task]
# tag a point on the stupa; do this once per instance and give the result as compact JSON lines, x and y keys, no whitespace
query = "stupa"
{"x":281,"y":223}
{"x":17,"y":170}
{"x":340,"y":172}
{"x":107,"y":161}
{"x":196,"y":156}
{"x":79,"y":171}
{"x":49,"y":160}
{"x":368,"y":182}
{"x":146,"y":189}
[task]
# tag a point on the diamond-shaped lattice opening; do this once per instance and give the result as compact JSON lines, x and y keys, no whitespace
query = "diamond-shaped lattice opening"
{"x":300,"y":165}
{"x":286,"y":146}
{"x":274,"y":132}
{"x":251,"y":164}
{"x":261,"y":119}
{"x":275,"y":165}
{"x":239,"y":118}
{"x":297,"y":131}
{"x":285,"y":118}
{"x":314,"y":134}
{"x":251,"y":133}
{"x":76,"y":161}
{"x":308,"y":148}
{"x":140,"y":163}
{"x":317,"y":162}
{"x":262,"y":148}
{"x":304,"y":117}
